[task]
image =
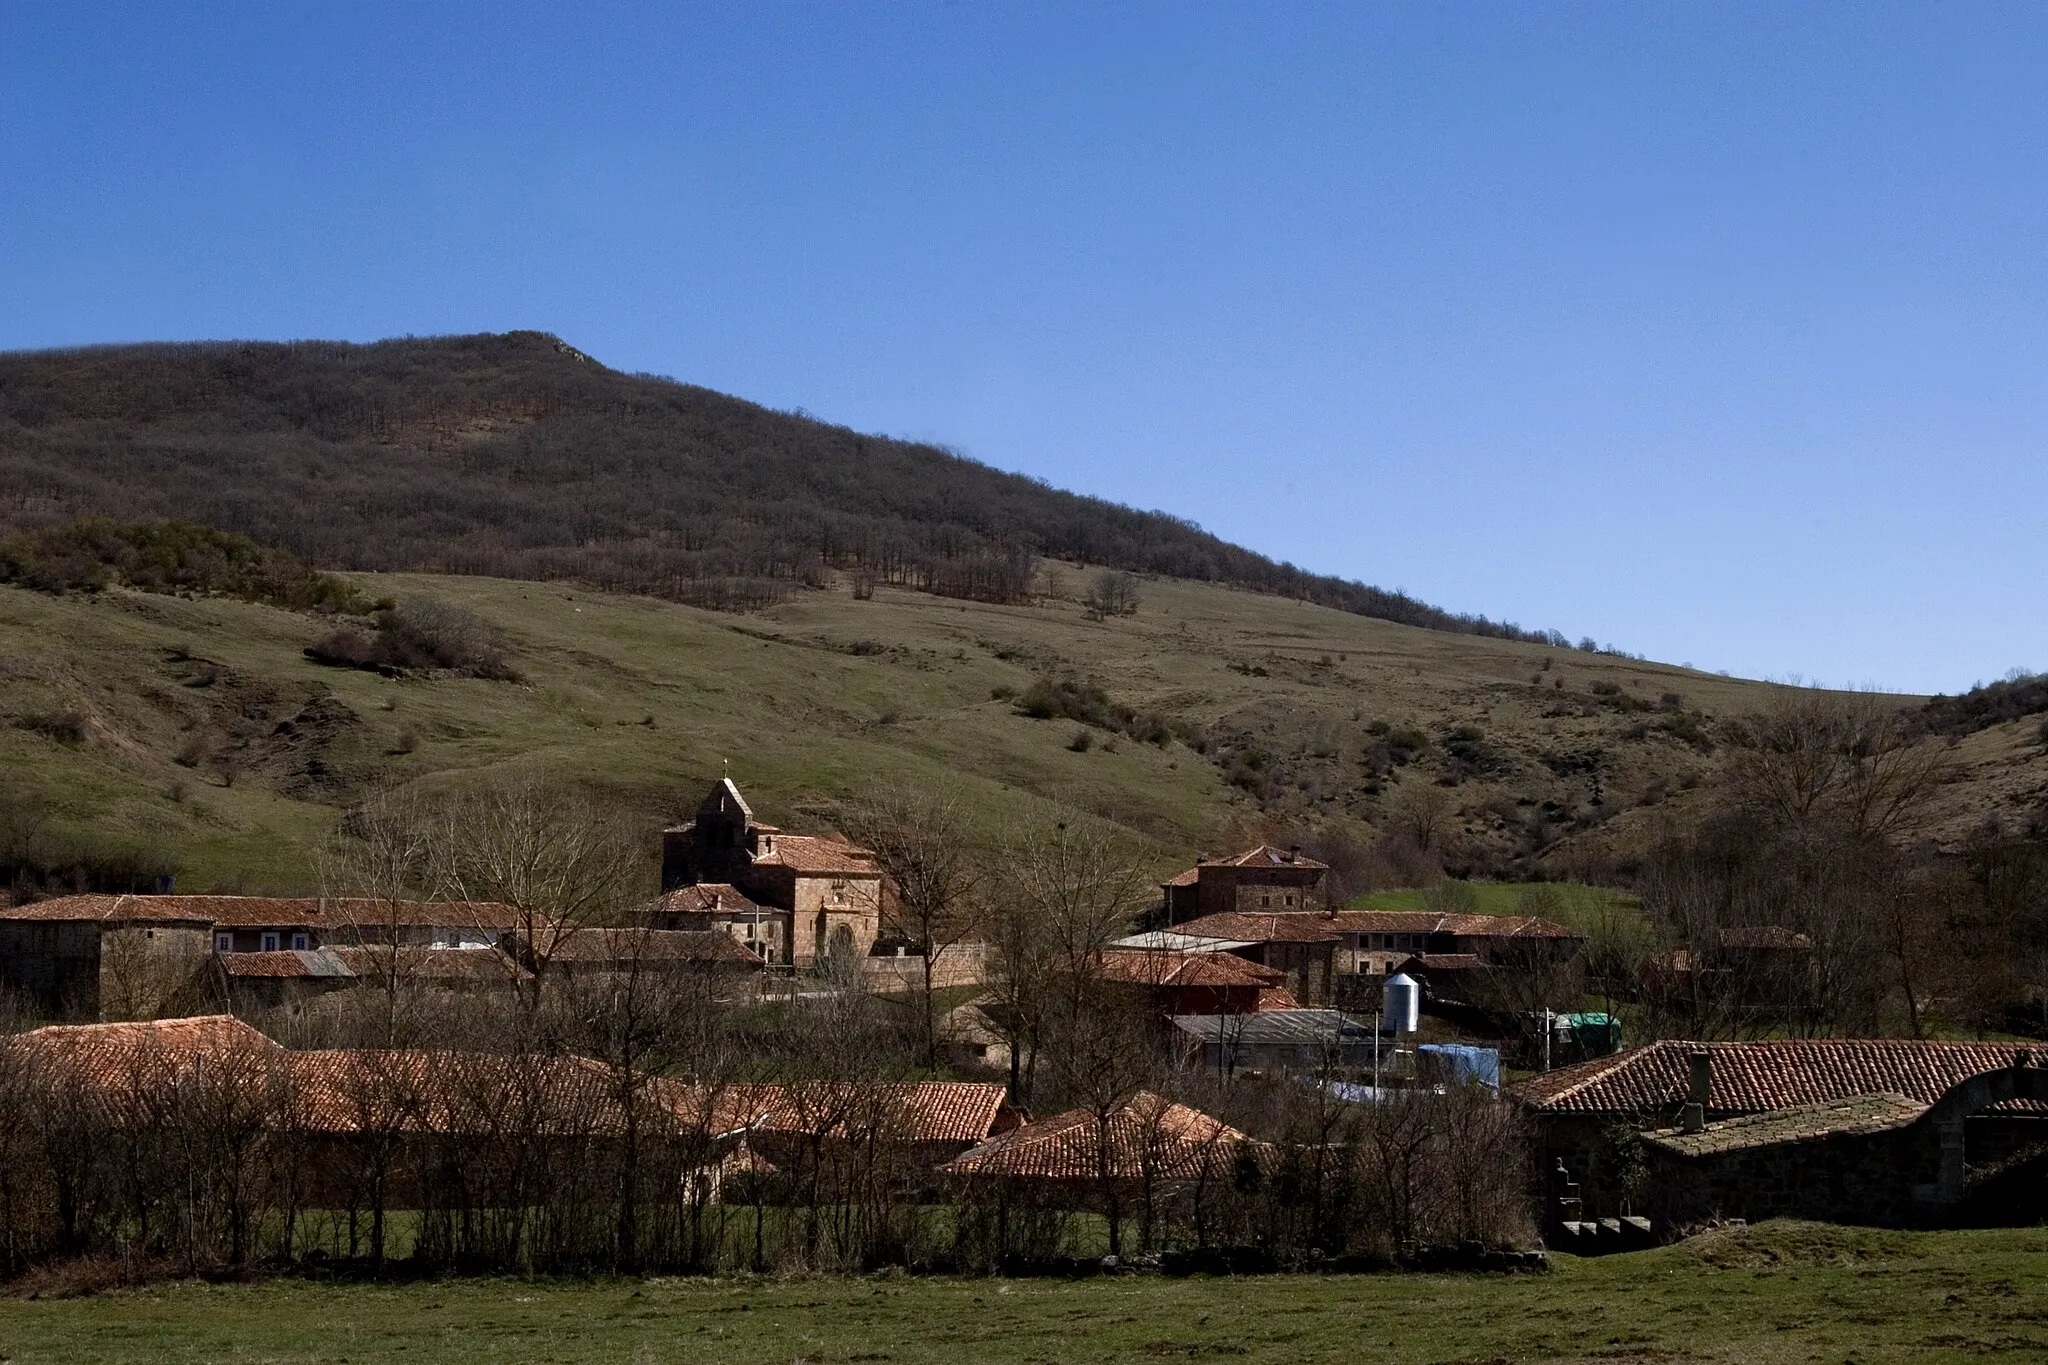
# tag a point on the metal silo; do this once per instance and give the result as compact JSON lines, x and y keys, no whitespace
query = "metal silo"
{"x":1404,"y":1003}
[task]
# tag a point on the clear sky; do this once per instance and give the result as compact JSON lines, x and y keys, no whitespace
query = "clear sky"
{"x":1719,"y":333}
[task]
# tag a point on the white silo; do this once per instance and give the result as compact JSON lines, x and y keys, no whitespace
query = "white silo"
{"x":1404,"y":1003}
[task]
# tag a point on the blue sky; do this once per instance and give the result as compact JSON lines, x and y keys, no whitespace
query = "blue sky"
{"x":1716,"y":332}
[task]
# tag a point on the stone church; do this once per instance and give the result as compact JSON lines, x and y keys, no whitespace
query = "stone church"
{"x":795,"y":899}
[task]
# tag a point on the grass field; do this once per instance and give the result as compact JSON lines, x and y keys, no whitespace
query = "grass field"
{"x":1777,"y":1293}
{"x":107,"y":702}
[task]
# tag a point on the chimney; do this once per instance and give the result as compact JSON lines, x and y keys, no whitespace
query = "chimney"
{"x":1693,"y":1117}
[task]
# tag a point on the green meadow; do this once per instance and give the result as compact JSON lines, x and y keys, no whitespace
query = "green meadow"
{"x":1782,"y":1292}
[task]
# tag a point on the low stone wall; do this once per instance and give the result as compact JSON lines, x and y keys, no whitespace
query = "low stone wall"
{"x":963,"y":964}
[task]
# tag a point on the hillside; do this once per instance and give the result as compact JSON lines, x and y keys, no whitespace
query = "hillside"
{"x":517,"y":456}
{"x":197,"y":728}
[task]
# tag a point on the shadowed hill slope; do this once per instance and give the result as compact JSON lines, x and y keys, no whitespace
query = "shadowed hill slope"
{"x":517,"y":456}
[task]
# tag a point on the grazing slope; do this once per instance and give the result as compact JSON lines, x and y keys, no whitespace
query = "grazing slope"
{"x":518,"y":456}
{"x":198,"y":727}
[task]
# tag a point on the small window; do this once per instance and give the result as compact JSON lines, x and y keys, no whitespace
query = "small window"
{"x":269,"y":943}
{"x":300,"y":943}
{"x":224,"y":943}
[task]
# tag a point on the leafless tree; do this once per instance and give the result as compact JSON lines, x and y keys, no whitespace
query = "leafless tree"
{"x":558,"y":859}
{"x":1069,"y":891}
{"x":1112,"y":593}
{"x":940,"y":875}
{"x":644,"y":1018}
{"x":1850,"y":760}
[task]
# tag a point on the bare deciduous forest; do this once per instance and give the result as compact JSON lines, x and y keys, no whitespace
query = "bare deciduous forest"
{"x":516,"y":456}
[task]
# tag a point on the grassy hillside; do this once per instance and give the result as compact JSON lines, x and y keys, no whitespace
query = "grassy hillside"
{"x":198,"y":726}
{"x":1772,"y":1295}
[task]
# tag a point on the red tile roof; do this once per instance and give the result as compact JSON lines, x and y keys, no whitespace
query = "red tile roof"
{"x":912,"y":1111}
{"x":121,"y":1066}
{"x":286,"y":964}
{"x":1149,"y":1136}
{"x":1265,"y":855}
{"x":706,"y":898}
{"x":1298,"y":927}
{"x":1313,"y":926}
{"x":305,"y":912}
{"x":1757,"y":1077}
{"x":1144,"y":967}
{"x":816,"y":855}
{"x":421,"y":1091}
{"x":114,"y":909}
{"x":1444,"y":962}
{"x":1277,"y":998}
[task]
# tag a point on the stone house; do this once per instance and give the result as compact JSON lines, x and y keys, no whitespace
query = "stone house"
{"x":1589,"y":1117}
{"x":827,"y":891}
{"x":1163,"y":985}
{"x":93,"y":956}
{"x":1301,"y":947}
{"x":1260,"y":879}
{"x":1972,"y":1156}
{"x":719,"y":907}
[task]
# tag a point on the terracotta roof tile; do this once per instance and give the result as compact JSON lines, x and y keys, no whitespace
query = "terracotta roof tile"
{"x":1756,"y":1077}
{"x":1140,"y":967}
{"x":1148,"y":1136}
{"x":422,"y":1091}
{"x":911,"y":1111}
{"x":485,"y":966}
{"x":305,"y":912}
{"x":1265,"y":855}
{"x":817,"y":855}
{"x":290,"y":963}
{"x":706,"y":898}
{"x":1298,"y":927}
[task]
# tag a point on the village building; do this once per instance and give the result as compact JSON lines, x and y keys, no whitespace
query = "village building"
{"x":1301,"y":947}
{"x":1728,"y":1129}
{"x":1340,"y":956}
{"x":825,"y":890}
{"x":93,"y":956}
{"x":289,"y":979}
{"x":1263,"y":878}
{"x":829,"y":1133}
{"x":719,"y":907}
{"x":1162,"y":985}
{"x":717,"y":961}
{"x":1144,"y":1149}
{"x":1274,"y":1040}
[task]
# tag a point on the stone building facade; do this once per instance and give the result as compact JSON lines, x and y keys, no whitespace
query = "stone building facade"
{"x":826,"y":892}
{"x":1263,"y":879}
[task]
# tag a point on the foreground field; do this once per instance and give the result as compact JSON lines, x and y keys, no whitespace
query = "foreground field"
{"x":1782,"y":1292}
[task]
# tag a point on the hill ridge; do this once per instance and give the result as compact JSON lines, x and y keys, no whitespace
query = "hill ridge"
{"x":488,"y":454}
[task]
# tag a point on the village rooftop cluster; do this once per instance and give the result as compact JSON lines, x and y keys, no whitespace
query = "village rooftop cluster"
{"x":772,"y":1063}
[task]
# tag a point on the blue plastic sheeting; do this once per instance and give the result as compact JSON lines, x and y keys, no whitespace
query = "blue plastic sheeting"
{"x":1357,"y":1092}
{"x":1464,"y":1062}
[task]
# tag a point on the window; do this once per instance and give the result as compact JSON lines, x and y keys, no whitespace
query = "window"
{"x":300,"y":943}
{"x":223,"y":943}
{"x":1290,"y":900}
{"x":269,"y":942}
